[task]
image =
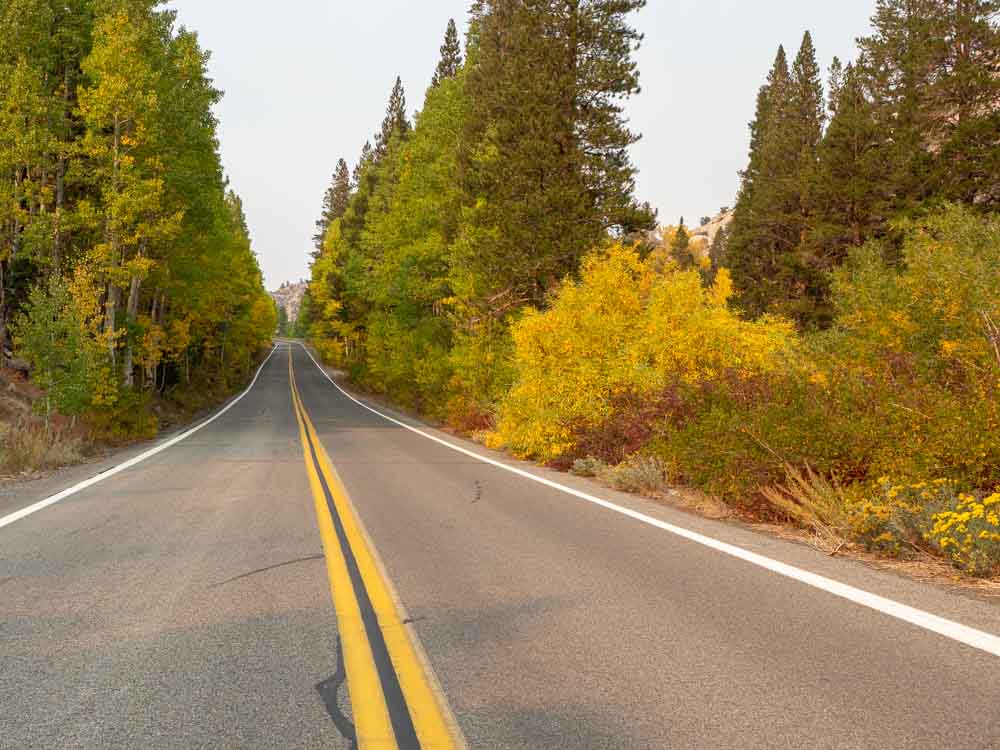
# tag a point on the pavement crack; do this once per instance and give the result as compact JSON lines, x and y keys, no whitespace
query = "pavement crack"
{"x":478,"y":493}
{"x":329,"y":691}
{"x":318,"y":556}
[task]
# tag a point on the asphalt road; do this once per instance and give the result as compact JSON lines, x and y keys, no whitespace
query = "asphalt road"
{"x":185,"y":602}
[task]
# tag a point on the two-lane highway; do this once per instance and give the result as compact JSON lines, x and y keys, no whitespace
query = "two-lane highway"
{"x":192,"y":600}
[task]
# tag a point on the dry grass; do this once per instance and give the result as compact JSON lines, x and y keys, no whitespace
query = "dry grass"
{"x":815,"y":502}
{"x":29,"y":445}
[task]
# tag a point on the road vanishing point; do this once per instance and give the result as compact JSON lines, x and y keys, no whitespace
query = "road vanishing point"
{"x":307,"y":569}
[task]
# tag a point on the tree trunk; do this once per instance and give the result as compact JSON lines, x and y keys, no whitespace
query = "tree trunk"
{"x":114,"y":293}
{"x":3,"y":313}
{"x":131,"y":313}
{"x":57,"y":243}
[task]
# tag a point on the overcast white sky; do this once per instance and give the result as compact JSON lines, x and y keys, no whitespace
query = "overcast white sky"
{"x":306,"y":83}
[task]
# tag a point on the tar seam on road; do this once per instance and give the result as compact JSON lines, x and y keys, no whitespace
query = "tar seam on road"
{"x":266,"y":568}
{"x":955,"y":631}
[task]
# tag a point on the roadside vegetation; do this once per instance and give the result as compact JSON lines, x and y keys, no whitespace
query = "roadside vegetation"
{"x":831,"y":356}
{"x":128,"y":287}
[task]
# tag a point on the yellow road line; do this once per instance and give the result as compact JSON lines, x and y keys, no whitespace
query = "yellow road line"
{"x":371,"y":717}
{"x":432,"y":721}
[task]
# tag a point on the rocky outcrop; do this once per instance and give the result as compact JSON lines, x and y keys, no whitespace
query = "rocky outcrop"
{"x":709,"y":230}
{"x":289,"y":296}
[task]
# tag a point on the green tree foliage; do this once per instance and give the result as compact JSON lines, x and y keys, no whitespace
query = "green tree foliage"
{"x":852,"y":198}
{"x":109,"y":158}
{"x":304,"y":321}
{"x":52,"y":334}
{"x":517,"y":164}
{"x":680,"y":246}
{"x":284,"y":327}
{"x":930,"y":67}
{"x":395,"y":122}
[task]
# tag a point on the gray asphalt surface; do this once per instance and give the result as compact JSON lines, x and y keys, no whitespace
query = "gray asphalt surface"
{"x":183,"y":604}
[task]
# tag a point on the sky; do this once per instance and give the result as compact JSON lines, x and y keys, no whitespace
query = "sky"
{"x":306,"y":83}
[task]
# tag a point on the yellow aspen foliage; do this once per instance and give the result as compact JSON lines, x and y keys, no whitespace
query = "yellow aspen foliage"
{"x":628,"y":326}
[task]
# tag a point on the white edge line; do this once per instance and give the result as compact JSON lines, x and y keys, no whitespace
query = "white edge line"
{"x":53,"y":499}
{"x":948,"y":628}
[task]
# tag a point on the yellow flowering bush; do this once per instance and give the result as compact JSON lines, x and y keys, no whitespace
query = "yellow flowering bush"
{"x":961,"y":526}
{"x":969,"y":533}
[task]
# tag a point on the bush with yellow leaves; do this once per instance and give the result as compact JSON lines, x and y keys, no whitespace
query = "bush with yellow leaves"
{"x":629,"y":327}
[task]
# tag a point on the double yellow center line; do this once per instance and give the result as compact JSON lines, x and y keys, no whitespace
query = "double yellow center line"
{"x":394,"y":698}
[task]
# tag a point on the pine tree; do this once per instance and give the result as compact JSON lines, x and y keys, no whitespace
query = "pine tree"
{"x":546,"y":167}
{"x":335,"y":202}
{"x":964,"y":102}
{"x":773,"y":265}
{"x":834,"y":84}
{"x":930,"y":69}
{"x":853,"y":194}
{"x":898,"y":68}
{"x":680,"y":246}
{"x":717,"y":250}
{"x":807,"y":118}
{"x":757,"y":237}
{"x":451,"y":55}
{"x":364,"y":161}
{"x":394,"y":123}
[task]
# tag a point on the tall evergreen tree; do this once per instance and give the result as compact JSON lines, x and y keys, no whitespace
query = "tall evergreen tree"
{"x":451,"y":55}
{"x":757,"y":237}
{"x":834,"y":84}
{"x":364,"y":161}
{"x":807,"y":117}
{"x":546,"y":166}
{"x":898,"y":68}
{"x":774,"y":268}
{"x":395,"y":121}
{"x":964,"y":102}
{"x":335,"y":202}
{"x":853,"y":198}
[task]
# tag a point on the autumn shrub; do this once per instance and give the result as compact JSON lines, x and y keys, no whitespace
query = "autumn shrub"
{"x":907,"y":382}
{"x":628,"y":329}
{"x":481,"y":369}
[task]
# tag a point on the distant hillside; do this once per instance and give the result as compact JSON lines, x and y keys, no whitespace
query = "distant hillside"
{"x":289,"y":296}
